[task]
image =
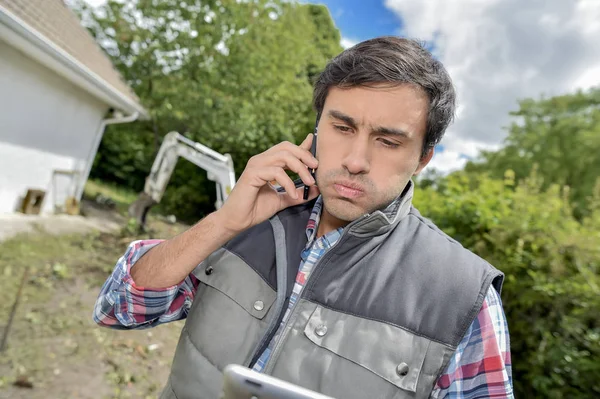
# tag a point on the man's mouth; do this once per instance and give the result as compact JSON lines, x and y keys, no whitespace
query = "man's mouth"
{"x":348,"y":189}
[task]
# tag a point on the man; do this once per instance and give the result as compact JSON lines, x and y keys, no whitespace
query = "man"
{"x":351,"y":293}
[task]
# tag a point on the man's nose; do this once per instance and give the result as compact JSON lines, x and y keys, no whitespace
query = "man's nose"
{"x":358,"y":159}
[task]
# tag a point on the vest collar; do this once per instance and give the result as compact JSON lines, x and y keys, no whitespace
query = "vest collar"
{"x":382,"y":221}
{"x":371,"y":224}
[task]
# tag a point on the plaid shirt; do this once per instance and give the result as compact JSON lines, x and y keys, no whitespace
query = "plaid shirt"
{"x":479,"y":368}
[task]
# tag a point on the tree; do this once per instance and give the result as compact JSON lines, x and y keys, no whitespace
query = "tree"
{"x":561,"y":135}
{"x":235,"y":76}
{"x":551,"y":261}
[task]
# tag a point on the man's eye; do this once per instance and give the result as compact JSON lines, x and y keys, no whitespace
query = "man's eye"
{"x":389,"y":144}
{"x":342,"y":128}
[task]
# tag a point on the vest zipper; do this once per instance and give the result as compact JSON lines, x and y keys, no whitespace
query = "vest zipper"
{"x":284,"y":333}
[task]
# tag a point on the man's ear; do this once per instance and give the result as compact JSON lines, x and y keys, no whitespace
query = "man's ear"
{"x":424,"y":161}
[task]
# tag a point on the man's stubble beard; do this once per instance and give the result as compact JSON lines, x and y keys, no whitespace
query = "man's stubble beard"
{"x":347,"y":210}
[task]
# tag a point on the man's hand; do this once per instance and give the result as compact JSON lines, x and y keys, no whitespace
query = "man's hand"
{"x":253,"y":200}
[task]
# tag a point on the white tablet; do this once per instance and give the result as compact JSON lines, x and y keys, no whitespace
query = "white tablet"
{"x":242,"y":383}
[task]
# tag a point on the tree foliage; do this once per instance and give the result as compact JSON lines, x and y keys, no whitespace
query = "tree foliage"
{"x":533,"y":210}
{"x":233,"y":75}
{"x":551,"y":260}
{"x":561,"y":135}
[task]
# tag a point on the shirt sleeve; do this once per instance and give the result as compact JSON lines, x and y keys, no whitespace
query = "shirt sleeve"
{"x":122,"y":304}
{"x":481,"y":365}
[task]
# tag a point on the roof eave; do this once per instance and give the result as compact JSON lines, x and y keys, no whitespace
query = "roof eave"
{"x":20,"y":35}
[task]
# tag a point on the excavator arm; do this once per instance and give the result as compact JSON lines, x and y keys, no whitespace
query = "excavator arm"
{"x":219,"y":169}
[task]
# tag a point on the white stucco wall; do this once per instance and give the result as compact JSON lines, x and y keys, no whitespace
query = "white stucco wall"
{"x":46,"y":124}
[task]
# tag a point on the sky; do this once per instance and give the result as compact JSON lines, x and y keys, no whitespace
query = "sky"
{"x":496,"y":51}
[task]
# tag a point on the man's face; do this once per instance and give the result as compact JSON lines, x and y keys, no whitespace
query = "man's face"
{"x":369,"y":146}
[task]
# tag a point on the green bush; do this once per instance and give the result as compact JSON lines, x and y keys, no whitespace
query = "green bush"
{"x":551,"y":294}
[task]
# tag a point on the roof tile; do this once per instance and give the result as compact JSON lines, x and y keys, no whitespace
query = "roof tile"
{"x":54,"y":20}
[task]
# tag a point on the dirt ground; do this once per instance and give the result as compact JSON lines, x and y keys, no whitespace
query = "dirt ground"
{"x":54,"y":350}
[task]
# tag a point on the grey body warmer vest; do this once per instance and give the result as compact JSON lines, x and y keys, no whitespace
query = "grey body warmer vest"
{"x":380,"y":316}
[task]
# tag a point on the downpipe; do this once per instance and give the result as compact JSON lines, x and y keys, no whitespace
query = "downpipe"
{"x":115,"y":120}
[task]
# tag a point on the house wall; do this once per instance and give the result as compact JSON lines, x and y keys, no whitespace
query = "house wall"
{"x":46,"y":124}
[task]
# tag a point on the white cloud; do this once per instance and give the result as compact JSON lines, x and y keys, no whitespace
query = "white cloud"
{"x":347,"y":43}
{"x":95,"y":3}
{"x":456,"y":152}
{"x":499,"y":51}
{"x":447,"y":161}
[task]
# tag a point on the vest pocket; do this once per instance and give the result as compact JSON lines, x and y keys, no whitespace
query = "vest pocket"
{"x":229,"y":313}
{"x":231,"y":276}
{"x":392,"y":353}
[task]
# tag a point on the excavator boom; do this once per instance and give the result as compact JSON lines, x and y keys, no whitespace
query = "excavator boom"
{"x":219,"y":169}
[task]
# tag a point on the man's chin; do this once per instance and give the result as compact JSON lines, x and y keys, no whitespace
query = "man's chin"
{"x":343,"y":209}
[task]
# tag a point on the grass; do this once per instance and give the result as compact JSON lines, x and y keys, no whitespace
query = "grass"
{"x":117,"y":193}
{"x":53,"y":343}
{"x":122,"y":196}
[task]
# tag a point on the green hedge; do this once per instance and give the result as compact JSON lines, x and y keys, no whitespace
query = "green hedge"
{"x":551,"y":260}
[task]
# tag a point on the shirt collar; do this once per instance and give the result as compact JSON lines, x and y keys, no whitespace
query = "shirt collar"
{"x":391,"y":212}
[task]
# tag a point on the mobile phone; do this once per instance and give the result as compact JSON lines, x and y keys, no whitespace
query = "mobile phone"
{"x":313,"y":151}
{"x":298,"y":182}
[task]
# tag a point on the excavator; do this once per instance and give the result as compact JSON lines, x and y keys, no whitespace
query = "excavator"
{"x":219,"y":169}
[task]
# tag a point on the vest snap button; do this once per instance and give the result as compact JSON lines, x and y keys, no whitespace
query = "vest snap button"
{"x":209,"y":270}
{"x":321,"y":330}
{"x":402,"y":369}
{"x":259,"y":305}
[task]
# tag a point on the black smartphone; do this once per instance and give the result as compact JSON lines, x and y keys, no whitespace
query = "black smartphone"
{"x":313,"y":151}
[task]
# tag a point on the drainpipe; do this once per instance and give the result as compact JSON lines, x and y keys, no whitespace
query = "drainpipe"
{"x":117,"y":119}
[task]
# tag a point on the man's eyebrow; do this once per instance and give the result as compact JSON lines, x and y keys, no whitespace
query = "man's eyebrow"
{"x":390,"y":131}
{"x":376,"y":129}
{"x":343,"y":117}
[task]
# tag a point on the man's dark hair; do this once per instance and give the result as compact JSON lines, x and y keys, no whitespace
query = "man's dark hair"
{"x":396,"y":61}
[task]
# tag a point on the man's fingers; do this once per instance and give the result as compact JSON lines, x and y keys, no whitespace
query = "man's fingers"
{"x":290,"y":162}
{"x":303,"y":152}
{"x":306,"y":145}
{"x":307,"y":142}
{"x":278,"y":175}
{"x":271,"y":165}
{"x":313,"y":193}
